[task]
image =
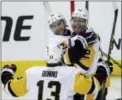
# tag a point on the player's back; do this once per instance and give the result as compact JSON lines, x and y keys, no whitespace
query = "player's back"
{"x":51,"y":83}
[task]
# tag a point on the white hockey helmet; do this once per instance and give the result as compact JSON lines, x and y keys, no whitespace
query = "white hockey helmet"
{"x":54,"y":54}
{"x":54,"y":16}
{"x":80,"y":13}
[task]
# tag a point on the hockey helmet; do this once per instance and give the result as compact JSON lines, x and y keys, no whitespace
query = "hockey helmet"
{"x":53,"y":17}
{"x":54,"y":53}
{"x":80,"y":13}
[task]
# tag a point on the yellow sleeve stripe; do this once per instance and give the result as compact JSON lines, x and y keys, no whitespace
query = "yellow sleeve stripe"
{"x":18,"y":86}
{"x":89,"y":61}
{"x":66,"y":58}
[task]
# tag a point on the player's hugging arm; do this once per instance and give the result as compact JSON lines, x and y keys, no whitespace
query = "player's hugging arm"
{"x":93,"y":51}
{"x":13,"y":86}
{"x":83,"y":51}
{"x":90,"y":57}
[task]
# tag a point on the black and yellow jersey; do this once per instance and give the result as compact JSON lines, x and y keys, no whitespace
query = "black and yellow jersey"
{"x":88,"y":65}
{"x":57,"y":83}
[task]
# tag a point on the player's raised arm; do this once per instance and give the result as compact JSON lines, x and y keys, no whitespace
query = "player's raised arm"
{"x":13,"y":86}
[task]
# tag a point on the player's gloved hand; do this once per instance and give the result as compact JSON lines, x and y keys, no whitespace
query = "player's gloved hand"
{"x":90,"y":36}
{"x":81,"y":39}
{"x":103,"y":71}
{"x":7,"y":73}
{"x":77,"y":52}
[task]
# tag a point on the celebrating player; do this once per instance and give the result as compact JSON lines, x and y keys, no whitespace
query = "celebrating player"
{"x":58,"y":24}
{"x":83,"y":47}
{"x":54,"y":82}
{"x":84,"y":51}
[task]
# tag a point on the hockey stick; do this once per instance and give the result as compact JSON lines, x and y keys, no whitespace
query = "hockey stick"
{"x":113,"y":30}
{"x":110,"y":44}
{"x":114,"y":61}
{"x":47,"y":7}
{"x":119,"y":65}
{"x":47,"y":11}
{"x":87,"y":5}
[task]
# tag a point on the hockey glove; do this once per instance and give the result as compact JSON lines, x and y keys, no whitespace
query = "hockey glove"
{"x":77,"y":52}
{"x":90,"y":37}
{"x":7,"y":73}
{"x":81,"y":39}
{"x":103,"y":71}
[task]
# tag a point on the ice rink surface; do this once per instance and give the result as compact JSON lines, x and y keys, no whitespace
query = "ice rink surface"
{"x":113,"y":94}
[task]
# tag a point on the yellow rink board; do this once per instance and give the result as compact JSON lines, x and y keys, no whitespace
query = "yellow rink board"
{"x":117,"y":70}
{"x":24,"y":65}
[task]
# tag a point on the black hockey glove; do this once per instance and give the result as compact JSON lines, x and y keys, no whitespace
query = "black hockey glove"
{"x":90,"y":37}
{"x":77,"y":52}
{"x":82,"y":41}
{"x":7,"y":73}
{"x":103,"y":71}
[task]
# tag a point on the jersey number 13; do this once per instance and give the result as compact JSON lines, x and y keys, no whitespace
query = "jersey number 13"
{"x":55,"y":93}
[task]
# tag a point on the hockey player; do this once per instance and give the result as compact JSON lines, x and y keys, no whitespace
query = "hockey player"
{"x":90,"y":41}
{"x":84,"y":44}
{"x":58,"y":24}
{"x":84,"y":51}
{"x":59,"y":27}
{"x":54,"y":82}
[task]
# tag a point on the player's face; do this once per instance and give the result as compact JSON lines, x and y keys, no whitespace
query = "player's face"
{"x":58,"y":27}
{"x":78,"y":24}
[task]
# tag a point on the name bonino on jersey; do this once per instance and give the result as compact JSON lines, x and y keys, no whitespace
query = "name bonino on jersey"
{"x":49,"y":73}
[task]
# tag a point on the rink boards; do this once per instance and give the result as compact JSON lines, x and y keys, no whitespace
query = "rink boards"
{"x":23,"y":65}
